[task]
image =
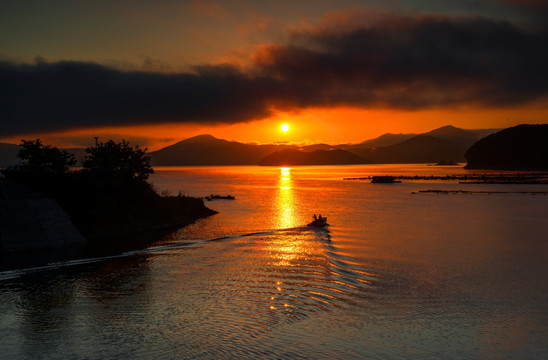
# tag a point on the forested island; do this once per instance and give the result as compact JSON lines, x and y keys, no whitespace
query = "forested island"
{"x":109,"y":200}
{"x":522,"y":147}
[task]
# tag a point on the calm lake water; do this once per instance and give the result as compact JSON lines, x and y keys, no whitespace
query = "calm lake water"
{"x":396,"y":275}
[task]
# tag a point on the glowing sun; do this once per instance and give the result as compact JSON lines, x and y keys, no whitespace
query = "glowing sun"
{"x":284,"y":127}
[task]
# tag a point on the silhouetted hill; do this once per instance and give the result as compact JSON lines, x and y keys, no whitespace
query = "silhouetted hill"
{"x":317,"y":157}
{"x":523,"y":147}
{"x":383,"y":140}
{"x":418,"y":149}
{"x":314,"y":147}
{"x":442,"y":144}
{"x":8,"y":154}
{"x":455,"y":135}
{"x":445,"y":143}
{"x":208,"y":150}
{"x":484,"y":132}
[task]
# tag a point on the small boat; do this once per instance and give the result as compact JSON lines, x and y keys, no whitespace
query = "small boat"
{"x":384,"y":180}
{"x":319,"y":222}
{"x":219,"y":197}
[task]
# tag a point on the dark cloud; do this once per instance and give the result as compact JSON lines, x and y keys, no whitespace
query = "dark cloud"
{"x":69,"y":95}
{"x":535,"y":5}
{"x":411,"y":62}
{"x":417,"y":62}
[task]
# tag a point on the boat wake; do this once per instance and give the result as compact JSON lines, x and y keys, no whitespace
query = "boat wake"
{"x":10,"y":274}
{"x":243,"y":288}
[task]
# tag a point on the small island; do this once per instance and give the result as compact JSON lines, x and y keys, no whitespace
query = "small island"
{"x":109,"y":201}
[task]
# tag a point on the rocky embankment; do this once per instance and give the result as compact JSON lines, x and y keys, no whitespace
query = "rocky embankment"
{"x":31,"y":221}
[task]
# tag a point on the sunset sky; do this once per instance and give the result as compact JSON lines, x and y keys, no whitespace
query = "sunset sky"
{"x":156,"y":72}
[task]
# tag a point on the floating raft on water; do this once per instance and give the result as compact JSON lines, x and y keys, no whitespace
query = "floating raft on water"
{"x":384,"y":180}
{"x":516,"y":178}
{"x":478,"y":192}
{"x":219,"y":197}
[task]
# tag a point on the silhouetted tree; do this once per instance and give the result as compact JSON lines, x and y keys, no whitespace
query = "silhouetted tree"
{"x":109,"y":201}
{"x":118,"y":160}
{"x":37,"y":157}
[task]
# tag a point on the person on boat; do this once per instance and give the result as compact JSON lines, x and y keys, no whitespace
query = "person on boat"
{"x":320,"y":217}
{"x":315,"y":217}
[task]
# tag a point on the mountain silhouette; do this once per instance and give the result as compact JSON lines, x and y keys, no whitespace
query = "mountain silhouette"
{"x":384,"y":140}
{"x":444,"y":143}
{"x":316,"y":157}
{"x":418,"y":149}
{"x":322,"y":147}
{"x":523,"y":147}
{"x":456,"y":135}
{"x":208,"y":150}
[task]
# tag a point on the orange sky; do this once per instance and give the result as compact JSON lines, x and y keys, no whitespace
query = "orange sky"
{"x":336,"y":72}
{"x":331,"y":126}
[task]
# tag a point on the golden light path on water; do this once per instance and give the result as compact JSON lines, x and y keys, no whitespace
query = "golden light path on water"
{"x":285,"y":200}
{"x":396,"y":275}
{"x":289,"y":251}
{"x":285,"y":249}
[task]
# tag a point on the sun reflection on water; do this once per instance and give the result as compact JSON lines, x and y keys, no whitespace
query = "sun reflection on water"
{"x":285,"y":201}
{"x":286,"y":174}
{"x":294,"y":249}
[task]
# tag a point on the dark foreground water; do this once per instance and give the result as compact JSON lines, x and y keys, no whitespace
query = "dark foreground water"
{"x":396,"y":275}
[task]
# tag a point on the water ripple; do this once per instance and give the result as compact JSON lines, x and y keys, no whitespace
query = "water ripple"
{"x":296,"y":273}
{"x":292,"y":275}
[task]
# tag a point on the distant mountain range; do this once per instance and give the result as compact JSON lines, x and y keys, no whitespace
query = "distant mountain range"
{"x":418,"y":149}
{"x":445,"y":143}
{"x":384,"y":140}
{"x":208,"y":150}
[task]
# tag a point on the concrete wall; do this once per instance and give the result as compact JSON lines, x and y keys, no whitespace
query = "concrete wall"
{"x":34,"y":223}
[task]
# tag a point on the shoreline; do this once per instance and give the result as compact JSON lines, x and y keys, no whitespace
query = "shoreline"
{"x":37,"y":227}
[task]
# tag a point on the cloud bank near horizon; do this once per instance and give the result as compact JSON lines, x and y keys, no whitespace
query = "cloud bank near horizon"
{"x":401,"y":62}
